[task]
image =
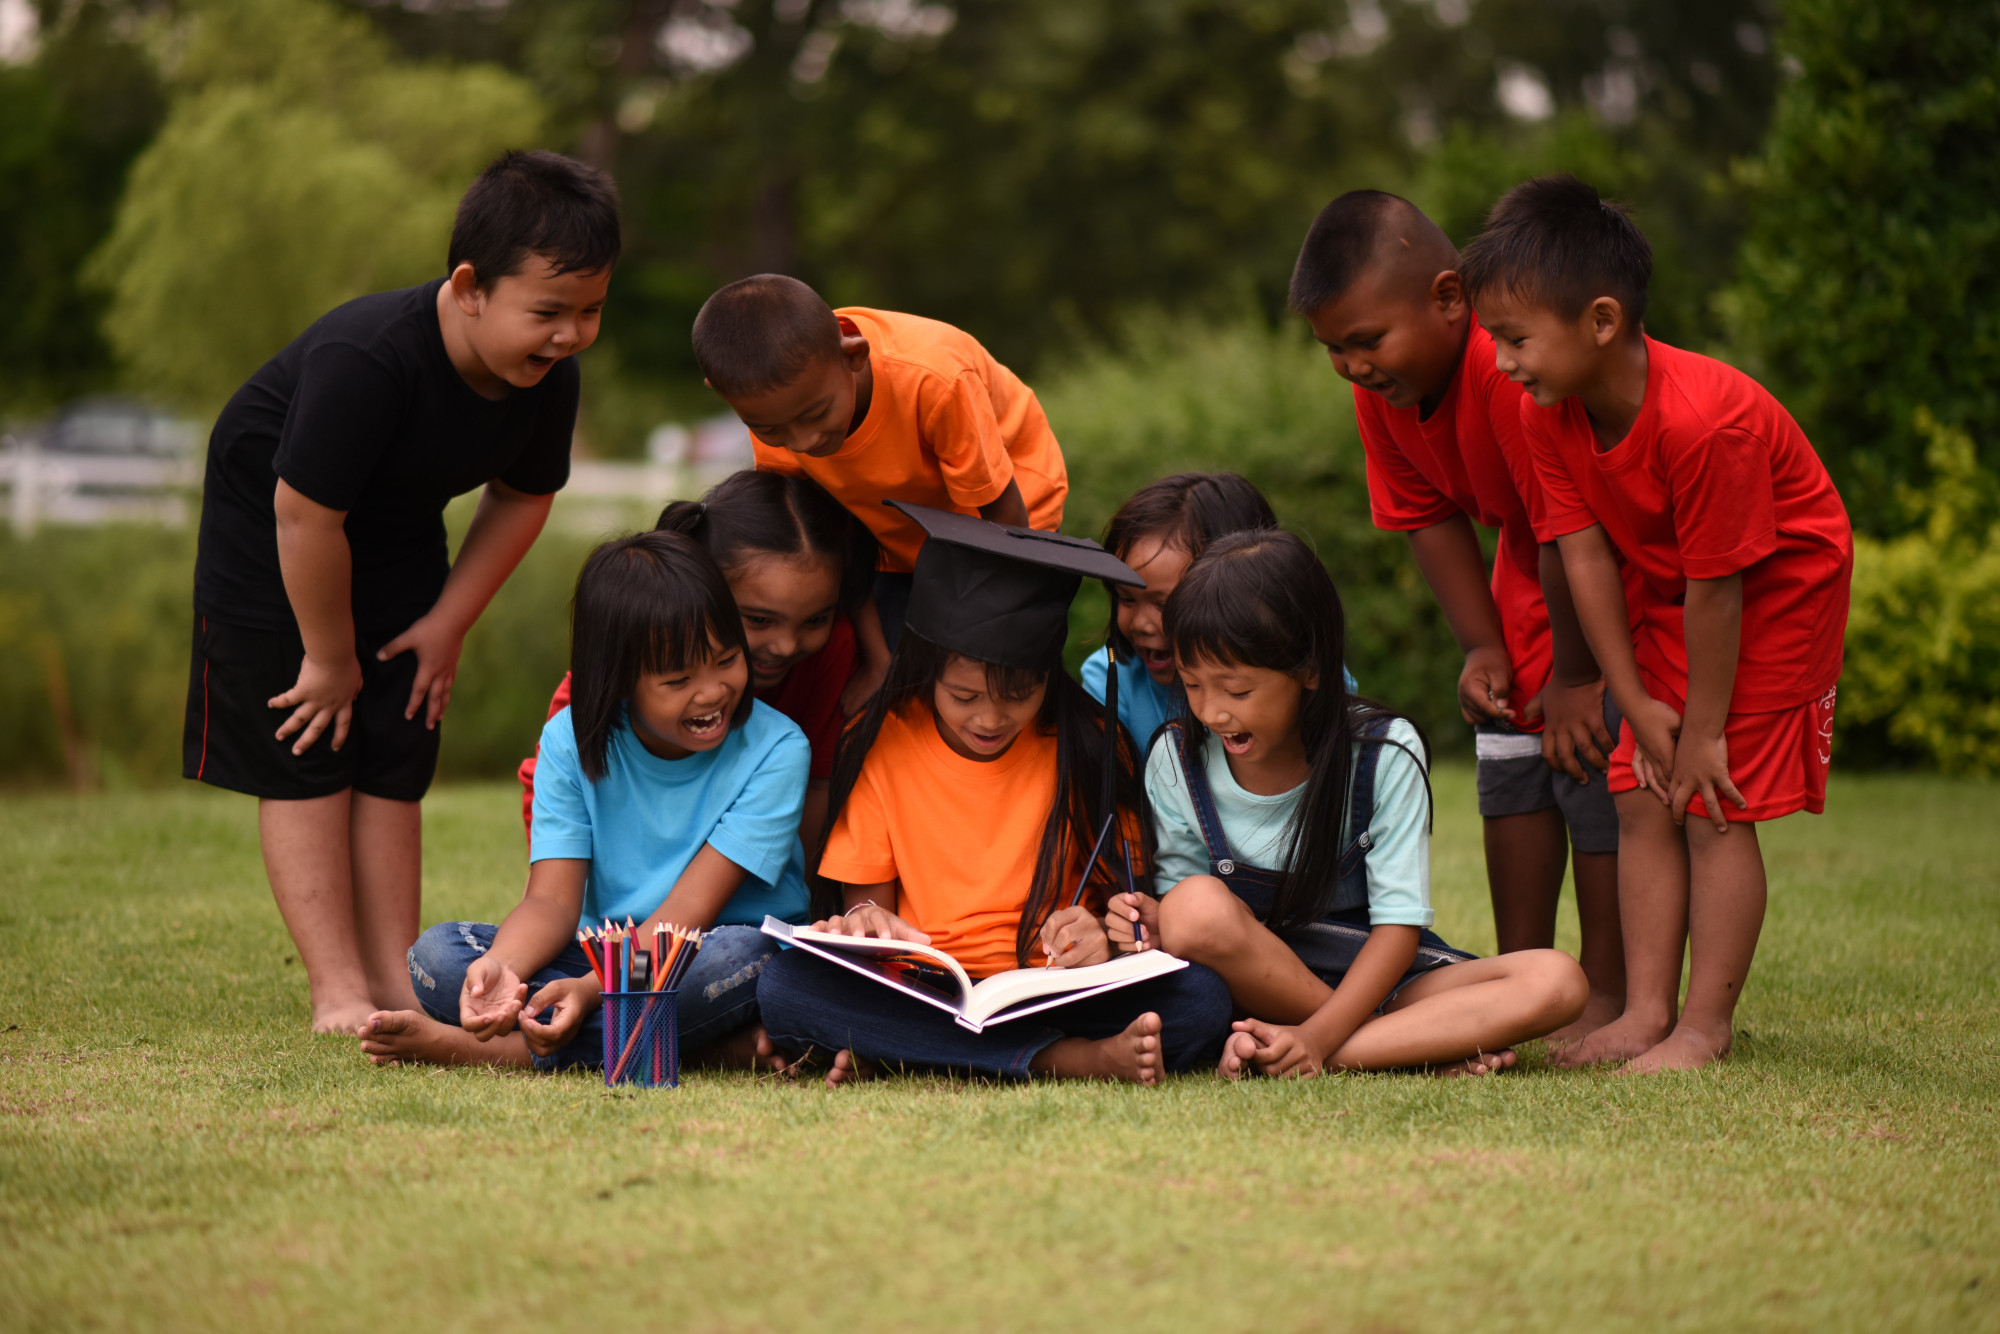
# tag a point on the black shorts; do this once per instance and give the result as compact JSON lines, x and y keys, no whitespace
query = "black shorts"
{"x":230,"y":738}
{"x":1514,"y":780}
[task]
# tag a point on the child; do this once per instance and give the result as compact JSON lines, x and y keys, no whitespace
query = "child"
{"x":798,"y":565}
{"x":1294,"y":844}
{"x":964,"y":804}
{"x":1159,"y":532}
{"x":1441,"y":428}
{"x":666,"y":793}
{"x":328,"y":617}
{"x":875,"y":405}
{"x":1706,"y":485}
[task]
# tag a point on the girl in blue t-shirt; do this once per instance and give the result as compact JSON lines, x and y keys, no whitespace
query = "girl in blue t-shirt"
{"x":1293,"y":821}
{"x":665,"y":793}
{"x":1160,"y":531}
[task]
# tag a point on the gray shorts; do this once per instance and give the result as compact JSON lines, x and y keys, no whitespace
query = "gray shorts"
{"x":1513,"y":780}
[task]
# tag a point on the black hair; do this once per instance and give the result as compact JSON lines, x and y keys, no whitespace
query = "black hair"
{"x":538,"y":203}
{"x":1555,"y":242}
{"x":1339,"y":246}
{"x":1262,"y":599}
{"x":651,"y":602}
{"x":760,"y":333}
{"x":1078,"y":724}
{"x":1188,"y":510}
{"x":750,"y":514}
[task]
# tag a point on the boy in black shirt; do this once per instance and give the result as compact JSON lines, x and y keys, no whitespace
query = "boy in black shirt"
{"x":328,"y":613}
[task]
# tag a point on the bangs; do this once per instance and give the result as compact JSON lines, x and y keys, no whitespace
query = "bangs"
{"x":1218,"y":623}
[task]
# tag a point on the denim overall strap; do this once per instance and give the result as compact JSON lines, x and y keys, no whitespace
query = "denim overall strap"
{"x":1351,"y":889}
{"x":1253,"y":884}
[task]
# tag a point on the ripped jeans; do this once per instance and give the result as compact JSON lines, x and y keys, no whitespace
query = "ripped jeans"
{"x":717,"y":997}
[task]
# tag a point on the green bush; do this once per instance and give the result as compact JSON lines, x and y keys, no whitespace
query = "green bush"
{"x":1181,"y":395}
{"x":1923,"y":639}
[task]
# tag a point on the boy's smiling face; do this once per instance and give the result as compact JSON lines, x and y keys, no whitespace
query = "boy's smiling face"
{"x":1550,"y":357}
{"x":815,"y":412}
{"x":518,"y":327}
{"x":1395,"y":332}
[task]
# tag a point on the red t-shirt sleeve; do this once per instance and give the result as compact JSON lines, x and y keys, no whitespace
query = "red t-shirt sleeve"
{"x":1400,"y":499}
{"x":1503,"y":413}
{"x":1725,"y":507}
{"x":1564,"y":509}
{"x":526,"y":773}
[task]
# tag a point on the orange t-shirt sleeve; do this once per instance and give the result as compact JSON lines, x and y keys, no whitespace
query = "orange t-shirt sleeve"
{"x":858,"y":850}
{"x":770,"y":458}
{"x":960,"y":426}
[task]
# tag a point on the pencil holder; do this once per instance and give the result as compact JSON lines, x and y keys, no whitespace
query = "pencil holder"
{"x":642,"y":1045}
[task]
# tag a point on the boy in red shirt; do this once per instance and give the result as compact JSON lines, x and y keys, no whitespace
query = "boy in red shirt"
{"x":1441,"y":426}
{"x":1705,"y":484}
{"x":876,"y":406}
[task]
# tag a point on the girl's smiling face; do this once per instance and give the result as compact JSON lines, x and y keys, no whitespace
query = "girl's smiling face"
{"x":1254,"y":711}
{"x":1160,"y":560}
{"x":974,"y":720}
{"x":788,"y":605}
{"x":680,"y":712}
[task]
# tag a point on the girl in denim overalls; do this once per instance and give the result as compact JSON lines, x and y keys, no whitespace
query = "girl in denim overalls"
{"x":1294,"y":844}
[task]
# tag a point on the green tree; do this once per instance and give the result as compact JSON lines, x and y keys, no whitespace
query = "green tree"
{"x":71,"y":121}
{"x":300,"y":165}
{"x":1870,"y":281}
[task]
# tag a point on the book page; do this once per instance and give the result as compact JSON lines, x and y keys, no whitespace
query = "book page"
{"x":1005,"y":990}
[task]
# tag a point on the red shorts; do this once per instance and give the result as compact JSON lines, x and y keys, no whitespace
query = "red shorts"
{"x":1778,"y":760}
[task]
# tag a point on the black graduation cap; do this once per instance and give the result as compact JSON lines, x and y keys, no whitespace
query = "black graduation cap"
{"x":998,"y":593}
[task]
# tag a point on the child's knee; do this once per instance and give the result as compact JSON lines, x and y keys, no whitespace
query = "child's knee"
{"x":1560,"y":988}
{"x":438,"y":962}
{"x":1202,"y":916}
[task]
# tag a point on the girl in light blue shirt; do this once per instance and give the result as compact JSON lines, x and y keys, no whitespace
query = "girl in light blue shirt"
{"x":665,"y":793}
{"x":1293,"y":822}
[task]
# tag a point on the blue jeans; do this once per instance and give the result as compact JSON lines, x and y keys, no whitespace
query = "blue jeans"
{"x":808,"y":1002}
{"x":717,"y":997}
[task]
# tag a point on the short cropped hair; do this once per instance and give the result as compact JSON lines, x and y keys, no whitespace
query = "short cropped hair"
{"x":1339,"y":245}
{"x":761,"y":333}
{"x":536,"y":203}
{"x":652,"y":602}
{"x":1555,"y":242}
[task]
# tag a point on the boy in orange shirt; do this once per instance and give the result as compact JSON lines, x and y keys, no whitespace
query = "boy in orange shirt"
{"x":1700,"y":478}
{"x":874,"y":406}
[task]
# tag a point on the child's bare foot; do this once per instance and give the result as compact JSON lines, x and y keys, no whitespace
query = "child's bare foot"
{"x":342,"y":1016}
{"x":1601,"y":1009}
{"x":1620,"y":1040}
{"x":390,"y":1037}
{"x":1683,"y":1049}
{"x":1484,"y":1063}
{"x":1236,"y":1054}
{"x":746,"y":1049}
{"x":850,"y":1069}
{"x":1132,"y":1056}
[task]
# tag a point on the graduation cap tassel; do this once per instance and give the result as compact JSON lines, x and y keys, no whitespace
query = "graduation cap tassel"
{"x":1109,"y":811}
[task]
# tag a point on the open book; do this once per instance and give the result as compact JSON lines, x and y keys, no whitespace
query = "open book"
{"x":935,"y":978}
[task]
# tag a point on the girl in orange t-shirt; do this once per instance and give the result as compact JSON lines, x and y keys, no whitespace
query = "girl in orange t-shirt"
{"x":964,"y":803}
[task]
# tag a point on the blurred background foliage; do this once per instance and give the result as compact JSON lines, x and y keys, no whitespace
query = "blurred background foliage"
{"x":1109,"y":193}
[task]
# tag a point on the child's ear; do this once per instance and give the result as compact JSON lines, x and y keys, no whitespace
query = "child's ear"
{"x":1448,"y":292}
{"x":854,"y":348}
{"x":1310,"y":680}
{"x":465,"y":291}
{"x":1607,"y":320}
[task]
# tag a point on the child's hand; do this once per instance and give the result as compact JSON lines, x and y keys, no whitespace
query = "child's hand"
{"x":1656,"y":727}
{"x":550,"y":1021}
{"x":491,"y":999}
{"x":1702,"y":765}
{"x":868,"y":919}
{"x":1073,"y":938}
{"x":437,"y":646}
{"x":1122,"y":912}
{"x":1484,"y":685}
{"x":1573,"y":733}
{"x":322,"y":697}
{"x":1280,"y":1051}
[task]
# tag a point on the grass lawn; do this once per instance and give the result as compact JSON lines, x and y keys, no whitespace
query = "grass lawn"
{"x":176,"y":1151}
